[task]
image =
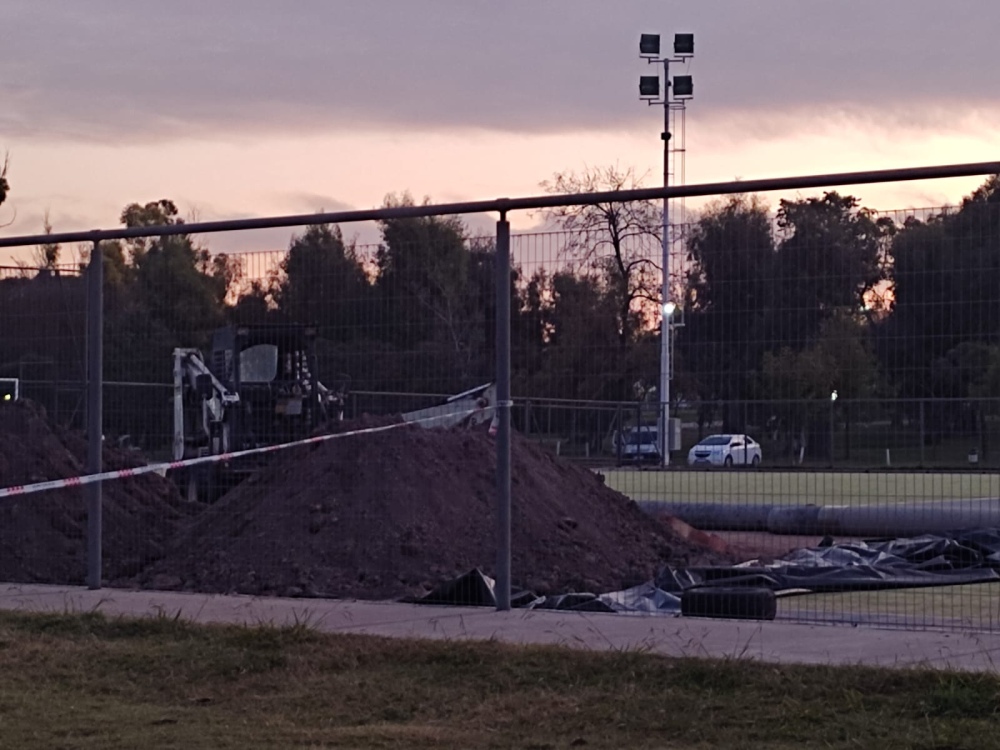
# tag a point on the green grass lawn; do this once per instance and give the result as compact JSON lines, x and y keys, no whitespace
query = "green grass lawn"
{"x":800,"y":487}
{"x":84,"y":681}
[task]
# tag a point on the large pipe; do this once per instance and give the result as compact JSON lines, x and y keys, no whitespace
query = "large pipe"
{"x":889,"y":520}
{"x":714,"y":516}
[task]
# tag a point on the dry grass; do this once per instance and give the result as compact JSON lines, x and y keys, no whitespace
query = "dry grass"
{"x":84,"y":681}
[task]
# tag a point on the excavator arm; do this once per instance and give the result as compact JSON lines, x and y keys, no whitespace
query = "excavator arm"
{"x":192,"y":374}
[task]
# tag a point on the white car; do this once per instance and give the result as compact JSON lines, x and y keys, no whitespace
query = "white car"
{"x":726,"y":450}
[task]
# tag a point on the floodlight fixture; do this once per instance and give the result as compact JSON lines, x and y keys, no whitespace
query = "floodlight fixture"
{"x":649,"y":45}
{"x":649,"y":87}
{"x":669,"y":308}
{"x":833,"y":395}
{"x":684,"y":44}
{"x":683,"y":87}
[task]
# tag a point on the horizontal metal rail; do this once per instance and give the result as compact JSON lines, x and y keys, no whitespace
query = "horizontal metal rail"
{"x":503,"y":205}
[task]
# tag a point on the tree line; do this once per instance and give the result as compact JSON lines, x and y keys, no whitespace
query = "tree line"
{"x":775,"y":309}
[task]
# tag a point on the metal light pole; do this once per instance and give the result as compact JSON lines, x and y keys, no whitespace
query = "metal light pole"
{"x":649,"y":91}
{"x":665,"y":313}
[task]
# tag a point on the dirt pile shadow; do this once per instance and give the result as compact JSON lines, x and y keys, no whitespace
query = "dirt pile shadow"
{"x":43,"y":535}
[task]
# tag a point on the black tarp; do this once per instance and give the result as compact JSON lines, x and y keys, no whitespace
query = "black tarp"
{"x":476,"y":589}
{"x":929,"y":560}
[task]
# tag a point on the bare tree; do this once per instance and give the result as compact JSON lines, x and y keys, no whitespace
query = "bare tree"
{"x":4,"y":185}
{"x":619,"y":240}
{"x":46,"y":256}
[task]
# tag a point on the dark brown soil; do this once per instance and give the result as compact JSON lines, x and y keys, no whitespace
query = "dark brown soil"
{"x":43,"y":535}
{"x":389,"y":514}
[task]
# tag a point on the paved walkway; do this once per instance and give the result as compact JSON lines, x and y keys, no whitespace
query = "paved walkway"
{"x":779,"y":642}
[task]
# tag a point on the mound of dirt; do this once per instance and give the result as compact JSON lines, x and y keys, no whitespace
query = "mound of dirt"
{"x":43,"y":535}
{"x":391,"y":513}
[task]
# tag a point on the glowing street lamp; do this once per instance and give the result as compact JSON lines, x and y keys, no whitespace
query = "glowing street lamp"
{"x":9,"y":389}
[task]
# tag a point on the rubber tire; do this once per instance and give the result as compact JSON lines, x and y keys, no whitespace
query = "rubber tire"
{"x":728,"y":463}
{"x":733,"y":603}
{"x":756,"y":461}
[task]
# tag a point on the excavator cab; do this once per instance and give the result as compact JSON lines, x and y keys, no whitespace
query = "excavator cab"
{"x":257,"y":387}
{"x":273,"y":371}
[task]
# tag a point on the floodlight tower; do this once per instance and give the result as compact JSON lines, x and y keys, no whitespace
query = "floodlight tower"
{"x":674,"y":100}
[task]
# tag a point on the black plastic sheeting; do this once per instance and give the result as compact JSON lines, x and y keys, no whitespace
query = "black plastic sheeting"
{"x":928,"y":560}
{"x":476,"y":589}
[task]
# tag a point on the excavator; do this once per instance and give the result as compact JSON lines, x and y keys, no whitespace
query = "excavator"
{"x":259,"y":386}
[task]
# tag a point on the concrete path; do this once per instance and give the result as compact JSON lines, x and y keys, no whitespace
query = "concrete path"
{"x":779,"y":642}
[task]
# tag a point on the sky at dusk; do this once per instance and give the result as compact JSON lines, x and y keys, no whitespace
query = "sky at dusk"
{"x":237,"y":108}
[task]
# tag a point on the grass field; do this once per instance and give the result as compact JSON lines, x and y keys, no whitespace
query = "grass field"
{"x":972,"y":607}
{"x":800,"y":487}
{"x":976,"y":607}
{"x":84,"y":681}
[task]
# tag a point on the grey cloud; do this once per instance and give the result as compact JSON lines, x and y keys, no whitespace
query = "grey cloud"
{"x":364,"y":235}
{"x":305,"y":202}
{"x":21,"y":221}
{"x":32,"y":221}
{"x":113,"y":70}
{"x":259,"y":240}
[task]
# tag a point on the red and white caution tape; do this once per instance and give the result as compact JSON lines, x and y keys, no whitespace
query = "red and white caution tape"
{"x":495,"y":423}
{"x":104,"y":476}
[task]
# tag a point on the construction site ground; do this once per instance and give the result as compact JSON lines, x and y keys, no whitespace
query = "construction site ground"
{"x":769,"y":642}
{"x":369,"y":515}
{"x":285,"y":533}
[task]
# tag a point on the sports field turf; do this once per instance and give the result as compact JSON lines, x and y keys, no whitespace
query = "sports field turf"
{"x":800,"y":487}
{"x":976,"y":607}
{"x":973,"y":607}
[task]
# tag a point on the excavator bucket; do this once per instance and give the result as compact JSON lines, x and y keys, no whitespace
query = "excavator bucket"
{"x":473,"y":407}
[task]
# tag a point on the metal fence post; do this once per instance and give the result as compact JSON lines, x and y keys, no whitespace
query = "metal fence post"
{"x":95,"y":406}
{"x":503,"y":413}
{"x":746,"y":432}
{"x":832,"y":456}
{"x":982,"y":432}
{"x":923,"y":434}
{"x":619,"y":433}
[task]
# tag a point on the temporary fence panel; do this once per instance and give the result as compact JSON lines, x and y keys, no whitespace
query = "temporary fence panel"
{"x":818,"y":389}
